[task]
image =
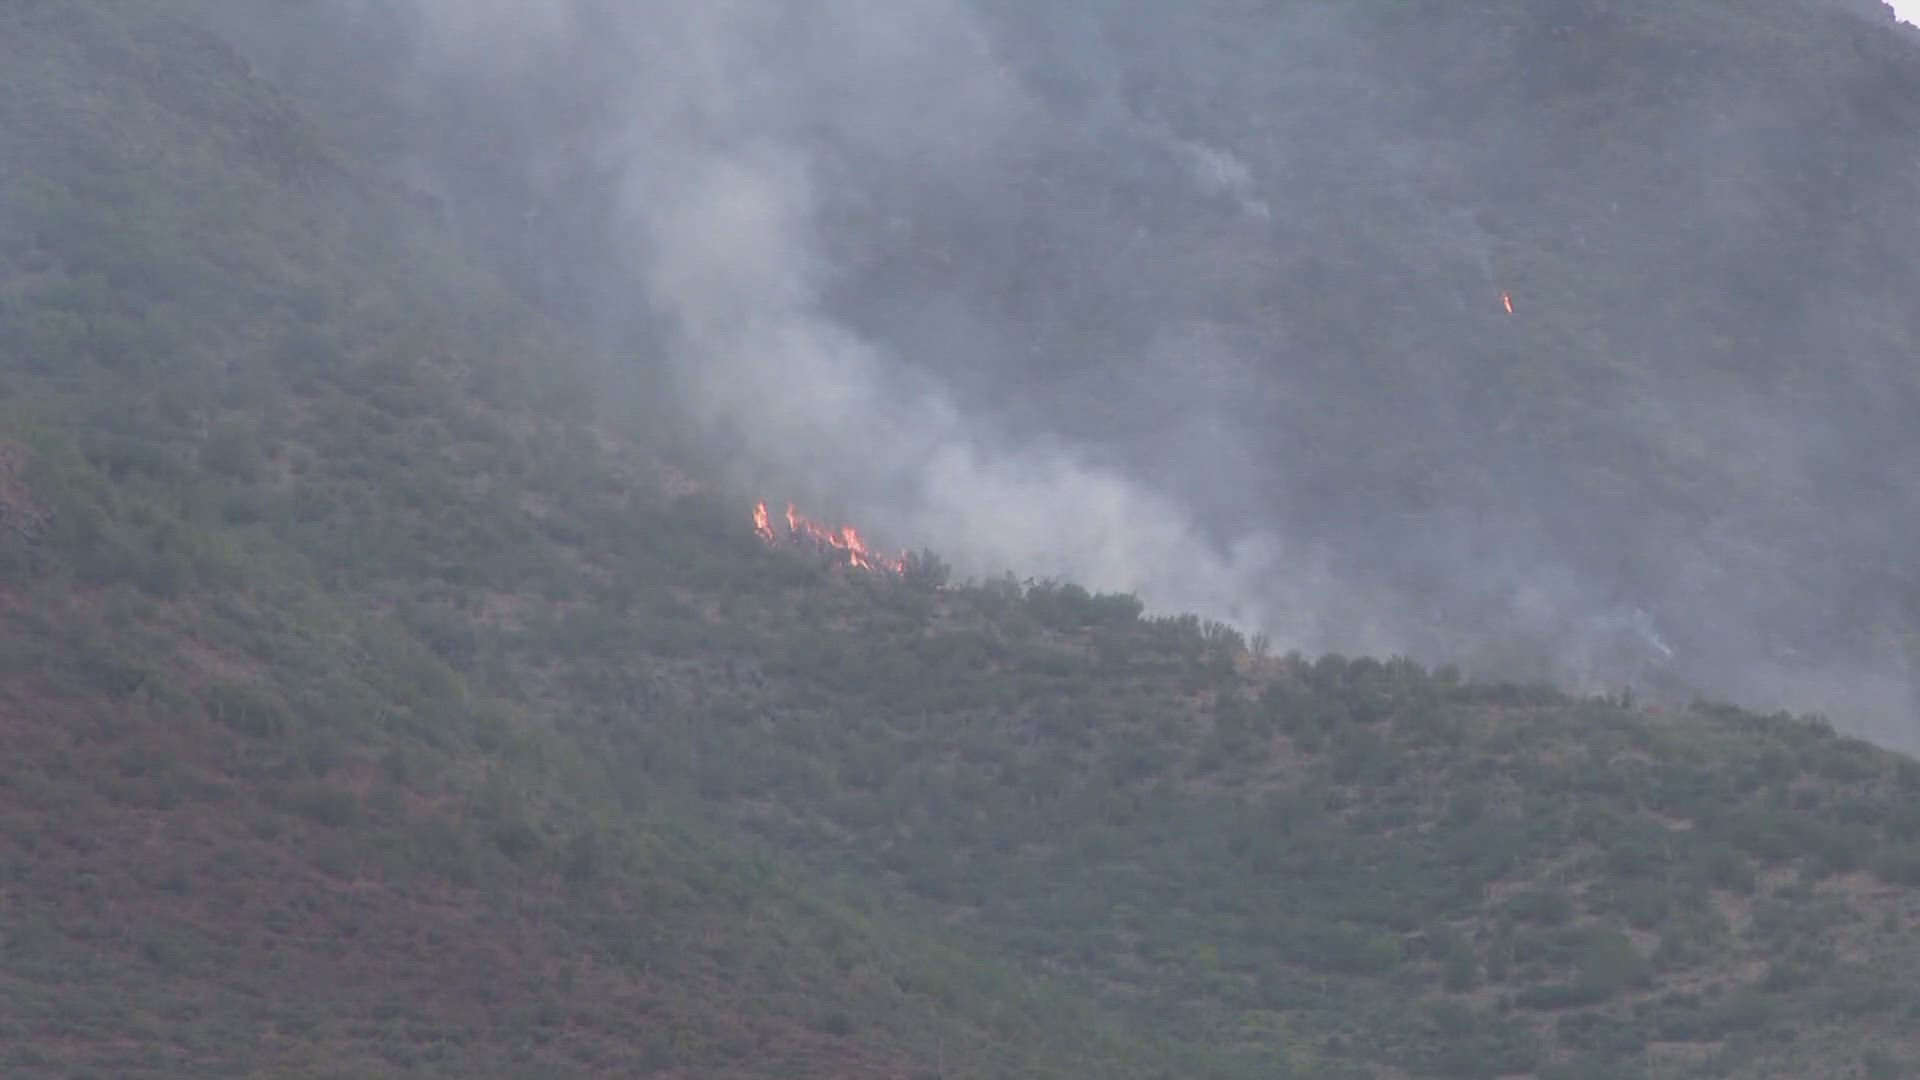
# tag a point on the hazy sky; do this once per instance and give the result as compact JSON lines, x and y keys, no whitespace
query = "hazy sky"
{"x":1905,"y":10}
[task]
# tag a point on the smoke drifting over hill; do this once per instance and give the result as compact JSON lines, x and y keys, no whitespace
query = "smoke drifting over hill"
{"x":1207,"y":301}
{"x":727,"y":121}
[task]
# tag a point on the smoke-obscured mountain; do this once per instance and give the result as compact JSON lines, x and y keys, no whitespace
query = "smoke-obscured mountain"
{"x":1206,"y":300}
{"x":395,"y":681}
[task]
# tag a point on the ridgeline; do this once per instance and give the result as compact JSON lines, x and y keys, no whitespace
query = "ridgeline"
{"x":375,"y":703}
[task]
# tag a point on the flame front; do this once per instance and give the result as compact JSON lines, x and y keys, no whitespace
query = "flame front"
{"x":846,"y":539}
{"x":1506,"y":301}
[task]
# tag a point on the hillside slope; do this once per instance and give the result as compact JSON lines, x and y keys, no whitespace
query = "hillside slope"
{"x":1255,"y":254}
{"x":372,"y":705}
{"x":254,"y":823}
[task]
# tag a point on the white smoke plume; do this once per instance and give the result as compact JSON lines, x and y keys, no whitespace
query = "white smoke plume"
{"x":717,"y":148}
{"x":1227,"y":335}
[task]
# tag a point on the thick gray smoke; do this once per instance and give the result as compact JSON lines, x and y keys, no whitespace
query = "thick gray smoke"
{"x":1201,"y":301}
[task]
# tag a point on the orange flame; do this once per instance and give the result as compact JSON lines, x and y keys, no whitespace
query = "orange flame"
{"x":846,"y":538}
{"x":1506,"y":300}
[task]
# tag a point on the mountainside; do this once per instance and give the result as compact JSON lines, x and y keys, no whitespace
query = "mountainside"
{"x":381,"y":697}
{"x":256,"y":822}
{"x":1252,"y":258}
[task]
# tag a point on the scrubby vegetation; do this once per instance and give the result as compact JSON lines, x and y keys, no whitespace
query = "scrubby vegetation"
{"x":371,"y":708}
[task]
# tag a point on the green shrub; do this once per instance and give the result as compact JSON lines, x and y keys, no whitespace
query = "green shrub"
{"x":1645,"y":906}
{"x":248,"y":709}
{"x":230,"y":450}
{"x":1543,"y":907}
{"x":1609,"y":963}
{"x":1349,"y":949}
{"x":1877,"y":1064}
{"x":1899,"y":864}
{"x":1608,"y":1035}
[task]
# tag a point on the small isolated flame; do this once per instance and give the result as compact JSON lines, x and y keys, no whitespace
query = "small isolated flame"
{"x":1506,"y":301}
{"x":845,"y":540}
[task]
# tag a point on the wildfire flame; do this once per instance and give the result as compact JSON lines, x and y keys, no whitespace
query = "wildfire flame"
{"x":845,"y":539}
{"x":1506,"y":301}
